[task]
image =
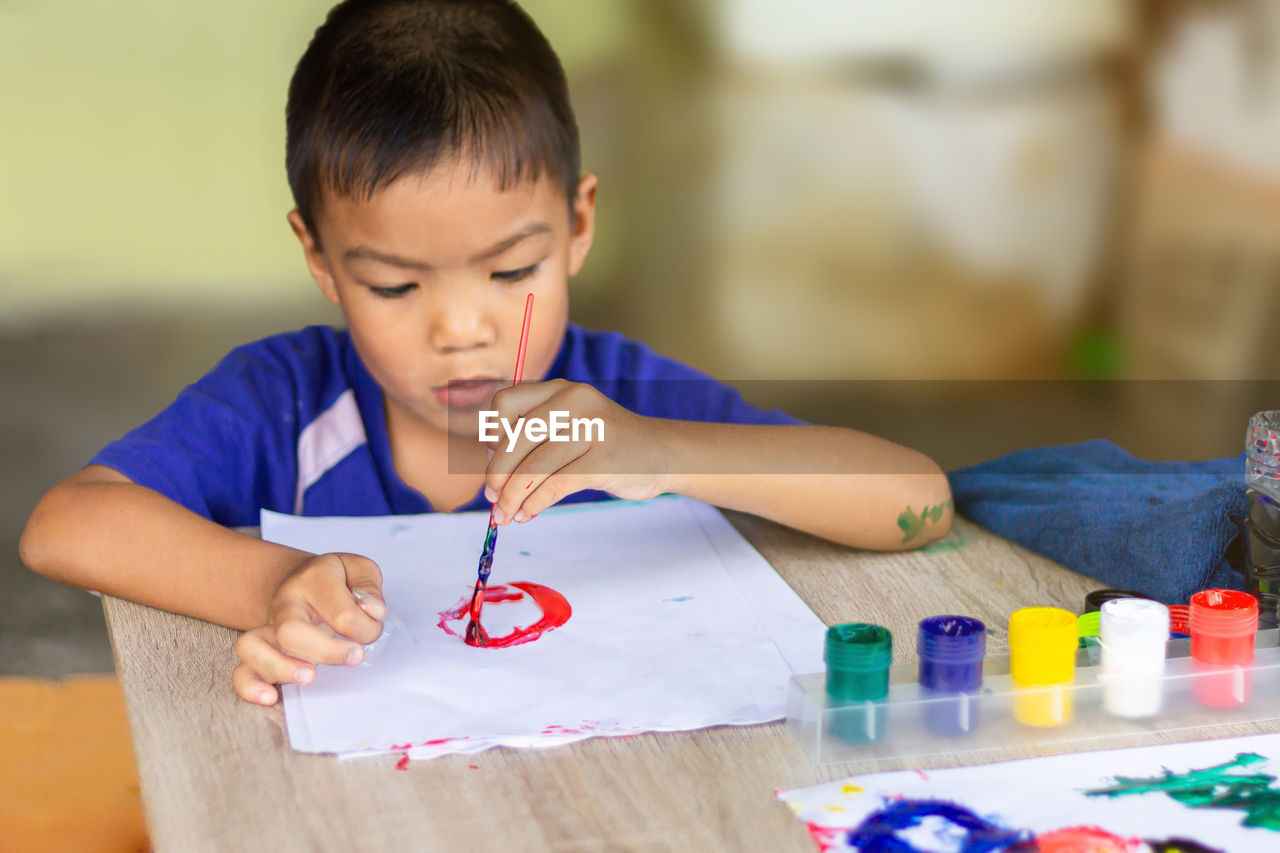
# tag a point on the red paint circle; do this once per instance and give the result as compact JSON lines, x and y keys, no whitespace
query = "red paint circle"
{"x":554,"y":607}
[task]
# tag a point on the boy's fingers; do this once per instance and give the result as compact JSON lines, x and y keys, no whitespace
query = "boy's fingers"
{"x":525,"y":454}
{"x":265,"y":662}
{"x":250,"y":687}
{"x":515,"y":401}
{"x":529,"y":400}
{"x":546,"y":461}
{"x":372,"y":604}
{"x":364,"y":579}
{"x":564,"y":482}
{"x":505,"y":461}
{"x":362,"y":573}
{"x":338,"y":607}
{"x":317,"y":644}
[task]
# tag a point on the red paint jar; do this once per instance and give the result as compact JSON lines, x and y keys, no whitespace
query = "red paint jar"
{"x":1223,"y":624}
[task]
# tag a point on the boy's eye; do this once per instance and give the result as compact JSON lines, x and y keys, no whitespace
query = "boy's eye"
{"x":516,"y":275}
{"x":392,"y":292}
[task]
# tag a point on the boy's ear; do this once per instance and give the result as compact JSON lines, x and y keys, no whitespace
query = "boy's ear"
{"x":584,"y":223}
{"x":316,"y":261}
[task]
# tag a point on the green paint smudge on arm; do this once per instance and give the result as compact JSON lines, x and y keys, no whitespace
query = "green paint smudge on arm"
{"x":911,"y":524}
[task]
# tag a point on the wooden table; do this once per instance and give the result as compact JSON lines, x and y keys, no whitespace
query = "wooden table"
{"x":218,"y":774}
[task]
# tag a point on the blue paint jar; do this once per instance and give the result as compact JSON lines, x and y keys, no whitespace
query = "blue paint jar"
{"x":951,"y":651}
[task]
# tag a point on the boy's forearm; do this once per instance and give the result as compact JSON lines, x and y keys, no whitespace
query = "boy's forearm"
{"x":840,"y":484}
{"x":122,"y":539}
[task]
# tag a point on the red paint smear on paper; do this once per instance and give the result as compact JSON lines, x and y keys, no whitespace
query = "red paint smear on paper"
{"x":1086,"y":839}
{"x":403,"y":763}
{"x":827,"y":837}
{"x":923,"y":775}
{"x":554,"y":606}
{"x":474,"y":766}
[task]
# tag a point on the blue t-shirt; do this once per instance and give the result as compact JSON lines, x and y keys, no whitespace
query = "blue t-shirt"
{"x":294,"y":423}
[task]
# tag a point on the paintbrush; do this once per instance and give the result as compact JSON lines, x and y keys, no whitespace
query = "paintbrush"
{"x":475,"y":634}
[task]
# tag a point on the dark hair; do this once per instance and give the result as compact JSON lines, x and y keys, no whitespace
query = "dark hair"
{"x":389,"y":87}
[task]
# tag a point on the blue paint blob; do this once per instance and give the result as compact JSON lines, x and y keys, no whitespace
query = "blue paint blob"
{"x":680,"y":598}
{"x":882,"y":831}
{"x":525,"y":554}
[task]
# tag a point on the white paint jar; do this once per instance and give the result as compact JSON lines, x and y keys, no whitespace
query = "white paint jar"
{"x":1132,"y":634}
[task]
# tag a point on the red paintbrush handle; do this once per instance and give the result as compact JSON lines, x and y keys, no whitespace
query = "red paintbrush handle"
{"x":524,"y":338}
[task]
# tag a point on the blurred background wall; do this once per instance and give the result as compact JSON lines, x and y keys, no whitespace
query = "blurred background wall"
{"x":928,"y":198}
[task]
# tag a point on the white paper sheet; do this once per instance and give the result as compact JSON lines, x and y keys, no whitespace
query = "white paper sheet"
{"x":678,"y":623}
{"x":1046,"y":798}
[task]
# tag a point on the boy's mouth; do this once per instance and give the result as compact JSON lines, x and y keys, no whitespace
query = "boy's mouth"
{"x":466,"y":393}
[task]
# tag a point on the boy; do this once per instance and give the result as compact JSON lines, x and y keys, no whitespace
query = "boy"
{"x":433,"y":158}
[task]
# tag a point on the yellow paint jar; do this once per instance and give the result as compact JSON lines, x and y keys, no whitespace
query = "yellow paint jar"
{"x":1042,"y":660}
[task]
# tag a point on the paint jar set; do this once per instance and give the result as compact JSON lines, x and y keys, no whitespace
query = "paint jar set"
{"x":1139,"y":676}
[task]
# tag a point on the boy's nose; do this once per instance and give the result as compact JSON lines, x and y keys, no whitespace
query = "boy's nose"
{"x":459,"y":327}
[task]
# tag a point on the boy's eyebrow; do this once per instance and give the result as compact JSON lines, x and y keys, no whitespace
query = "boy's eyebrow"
{"x":365,"y":253}
{"x":502,"y":245}
{"x":368,"y":253}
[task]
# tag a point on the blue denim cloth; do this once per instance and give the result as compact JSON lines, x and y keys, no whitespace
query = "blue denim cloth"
{"x":1165,"y":529}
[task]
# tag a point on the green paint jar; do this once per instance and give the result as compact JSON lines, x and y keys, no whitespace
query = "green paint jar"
{"x":858,"y":655}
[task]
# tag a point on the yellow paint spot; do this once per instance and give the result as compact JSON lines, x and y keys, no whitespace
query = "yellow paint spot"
{"x":850,"y":790}
{"x":835,"y":808}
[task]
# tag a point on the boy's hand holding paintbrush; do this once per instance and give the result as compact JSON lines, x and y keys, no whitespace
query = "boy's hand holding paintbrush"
{"x":620,"y":452}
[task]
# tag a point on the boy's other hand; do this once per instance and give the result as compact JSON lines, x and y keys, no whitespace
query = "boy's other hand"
{"x":326,"y":593}
{"x":526,"y":475}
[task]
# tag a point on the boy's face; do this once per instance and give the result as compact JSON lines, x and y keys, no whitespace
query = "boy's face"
{"x":431,"y":275}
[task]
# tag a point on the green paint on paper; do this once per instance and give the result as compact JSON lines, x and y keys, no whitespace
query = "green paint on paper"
{"x":1212,"y":788}
{"x":911,"y":524}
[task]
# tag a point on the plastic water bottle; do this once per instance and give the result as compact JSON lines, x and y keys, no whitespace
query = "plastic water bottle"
{"x":1262,"y":477}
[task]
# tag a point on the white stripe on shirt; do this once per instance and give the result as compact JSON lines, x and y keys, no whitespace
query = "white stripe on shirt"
{"x":326,"y":441}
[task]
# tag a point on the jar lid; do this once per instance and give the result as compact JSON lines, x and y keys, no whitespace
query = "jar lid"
{"x":1133,"y":620}
{"x":1094,"y":600}
{"x":952,"y":639}
{"x":1043,"y":630}
{"x":1223,"y":613}
{"x":858,"y":647}
{"x":1089,"y":623}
